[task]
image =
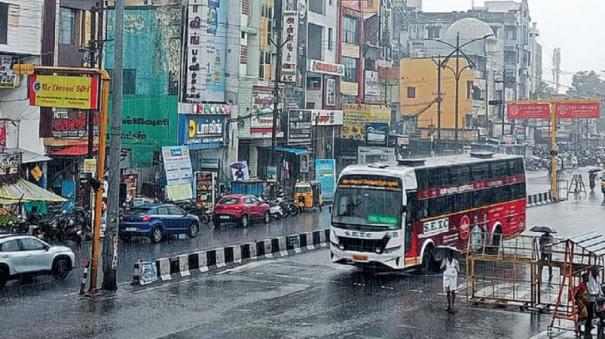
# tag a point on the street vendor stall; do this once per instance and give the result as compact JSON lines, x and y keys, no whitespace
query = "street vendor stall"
{"x":24,"y":191}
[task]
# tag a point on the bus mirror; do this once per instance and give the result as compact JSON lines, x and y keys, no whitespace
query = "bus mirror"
{"x":330,"y":209}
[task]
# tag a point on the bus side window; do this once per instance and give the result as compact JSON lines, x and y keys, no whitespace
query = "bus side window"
{"x":480,"y":171}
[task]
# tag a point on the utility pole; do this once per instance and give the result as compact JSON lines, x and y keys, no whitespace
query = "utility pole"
{"x":91,"y":64}
{"x":503,"y":99}
{"x":278,"y":64}
{"x":439,"y":66}
{"x":110,"y":242}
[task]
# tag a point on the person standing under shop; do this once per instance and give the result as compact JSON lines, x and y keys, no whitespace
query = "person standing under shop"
{"x":595,"y":291}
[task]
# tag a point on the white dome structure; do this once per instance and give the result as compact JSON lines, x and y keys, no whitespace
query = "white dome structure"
{"x":468,"y":28}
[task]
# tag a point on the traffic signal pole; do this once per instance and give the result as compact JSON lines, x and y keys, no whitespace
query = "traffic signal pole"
{"x":105,"y":80}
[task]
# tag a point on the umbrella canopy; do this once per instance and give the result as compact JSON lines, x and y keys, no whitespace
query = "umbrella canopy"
{"x":542,"y":229}
{"x":594,"y":170}
{"x":23,"y":191}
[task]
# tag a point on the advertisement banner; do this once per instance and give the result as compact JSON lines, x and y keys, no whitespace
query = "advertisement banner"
{"x":349,"y":88}
{"x":261,"y":120}
{"x":272,"y":173}
{"x":377,"y":133}
{"x":295,"y":97}
{"x":589,"y":109}
{"x":201,"y":131}
{"x":8,"y":79}
{"x":325,"y":173}
{"x":205,"y":184}
{"x":321,"y":67}
{"x":371,"y":88}
{"x":356,"y":116}
{"x":10,"y":163}
{"x":2,"y":135}
{"x":322,"y":117}
{"x":330,"y":92}
{"x":64,"y":91}
{"x":299,"y":127}
{"x":72,"y":124}
{"x":290,"y":50}
{"x":240,"y":171}
{"x":206,"y":50}
{"x":528,"y":110}
{"x":131,"y":181}
{"x":177,"y":165}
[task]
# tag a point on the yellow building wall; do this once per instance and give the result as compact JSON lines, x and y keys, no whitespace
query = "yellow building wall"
{"x":421,"y":73}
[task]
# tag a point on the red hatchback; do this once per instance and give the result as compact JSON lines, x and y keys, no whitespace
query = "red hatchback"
{"x":241,"y":209}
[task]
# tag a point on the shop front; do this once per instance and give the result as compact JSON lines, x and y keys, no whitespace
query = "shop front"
{"x":203,"y":128}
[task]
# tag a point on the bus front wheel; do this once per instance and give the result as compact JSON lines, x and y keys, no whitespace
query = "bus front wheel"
{"x":429,"y":264}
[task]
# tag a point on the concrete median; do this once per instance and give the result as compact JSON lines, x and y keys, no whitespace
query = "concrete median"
{"x":203,"y":261}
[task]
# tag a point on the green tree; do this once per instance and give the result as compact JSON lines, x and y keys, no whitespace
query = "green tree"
{"x":586,"y":84}
{"x":544,"y":91}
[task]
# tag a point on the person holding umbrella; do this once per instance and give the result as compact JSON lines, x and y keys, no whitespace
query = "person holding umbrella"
{"x":545,"y":245}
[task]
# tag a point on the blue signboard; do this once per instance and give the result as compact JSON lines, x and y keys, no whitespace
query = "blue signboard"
{"x":325,"y":173}
{"x":200,"y":131}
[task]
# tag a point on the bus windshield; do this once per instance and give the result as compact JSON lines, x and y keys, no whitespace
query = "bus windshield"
{"x":374,"y":202}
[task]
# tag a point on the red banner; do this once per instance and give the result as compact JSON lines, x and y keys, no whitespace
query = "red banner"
{"x":579,"y":109}
{"x":527,"y":110}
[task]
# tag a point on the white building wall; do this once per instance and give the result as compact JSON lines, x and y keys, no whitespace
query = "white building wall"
{"x":24,"y":27}
{"x":329,"y":20}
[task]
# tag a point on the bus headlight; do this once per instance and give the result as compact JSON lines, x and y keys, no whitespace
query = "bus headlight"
{"x":391,"y":250}
{"x":378,"y":250}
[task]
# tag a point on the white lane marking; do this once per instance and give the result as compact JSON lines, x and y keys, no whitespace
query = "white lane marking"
{"x":539,"y":335}
{"x":245,"y":267}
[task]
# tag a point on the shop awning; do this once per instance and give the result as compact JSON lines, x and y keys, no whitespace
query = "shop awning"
{"x":293,"y":150}
{"x":29,"y":157}
{"x":74,"y":151}
{"x":23,"y":190}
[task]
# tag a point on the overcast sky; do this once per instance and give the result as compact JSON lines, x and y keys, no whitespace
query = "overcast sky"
{"x":576,"y":26}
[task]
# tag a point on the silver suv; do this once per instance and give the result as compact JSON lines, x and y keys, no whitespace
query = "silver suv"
{"x":22,"y":255}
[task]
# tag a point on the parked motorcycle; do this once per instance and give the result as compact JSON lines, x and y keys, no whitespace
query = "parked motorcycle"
{"x":190,"y":207}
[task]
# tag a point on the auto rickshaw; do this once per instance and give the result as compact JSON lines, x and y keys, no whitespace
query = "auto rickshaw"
{"x":307,"y":194}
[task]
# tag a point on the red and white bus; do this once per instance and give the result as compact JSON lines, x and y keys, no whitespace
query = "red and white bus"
{"x":402,"y":215}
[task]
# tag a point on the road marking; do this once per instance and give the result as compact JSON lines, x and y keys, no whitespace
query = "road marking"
{"x":539,"y":335}
{"x":245,"y":267}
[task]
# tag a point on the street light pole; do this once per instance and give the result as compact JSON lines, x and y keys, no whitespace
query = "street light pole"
{"x":457,"y":87}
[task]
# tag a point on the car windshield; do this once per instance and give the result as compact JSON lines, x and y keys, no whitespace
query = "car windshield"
{"x":359,"y":204}
{"x":229,"y":201}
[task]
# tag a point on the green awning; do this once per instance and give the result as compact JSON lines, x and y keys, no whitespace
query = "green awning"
{"x":23,"y":191}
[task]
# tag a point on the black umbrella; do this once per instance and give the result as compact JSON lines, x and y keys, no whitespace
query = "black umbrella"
{"x":542,"y":229}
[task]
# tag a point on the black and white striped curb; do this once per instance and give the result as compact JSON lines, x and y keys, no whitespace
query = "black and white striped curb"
{"x":183,"y":265}
{"x":540,"y":199}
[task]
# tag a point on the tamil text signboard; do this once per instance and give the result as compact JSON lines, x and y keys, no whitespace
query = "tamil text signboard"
{"x":202,"y":131}
{"x":528,"y":110}
{"x":206,"y":50}
{"x":8,"y":79}
{"x":589,"y":109}
{"x":299,"y":127}
{"x":318,"y":66}
{"x":568,"y":109}
{"x":290,"y":38}
{"x":78,"y":92}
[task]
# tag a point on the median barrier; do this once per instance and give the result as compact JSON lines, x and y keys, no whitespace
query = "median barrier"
{"x":203,"y":261}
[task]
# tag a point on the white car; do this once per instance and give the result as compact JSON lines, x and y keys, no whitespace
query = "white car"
{"x":23,"y":255}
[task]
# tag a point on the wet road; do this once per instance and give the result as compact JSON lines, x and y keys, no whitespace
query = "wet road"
{"x":290,"y":297}
{"x":565,"y":217}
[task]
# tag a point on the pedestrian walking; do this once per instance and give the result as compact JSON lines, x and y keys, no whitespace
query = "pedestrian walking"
{"x":450,"y":268}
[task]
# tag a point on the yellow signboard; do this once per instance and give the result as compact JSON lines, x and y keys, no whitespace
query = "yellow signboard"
{"x":79,"y":92}
{"x":36,"y":173}
{"x":356,"y":116}
{"x":349,"y":88}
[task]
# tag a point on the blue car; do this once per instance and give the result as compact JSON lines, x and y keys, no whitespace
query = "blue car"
{"x":157,"y":222}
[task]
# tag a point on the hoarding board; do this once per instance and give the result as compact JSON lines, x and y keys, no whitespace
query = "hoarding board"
{"x":177,"y":164}
{"x":325,"y":173}
{"x":528,"y":110}
{"x":356,"y":116}
{"x":589,"y":109}
{"x":81,"y":92}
